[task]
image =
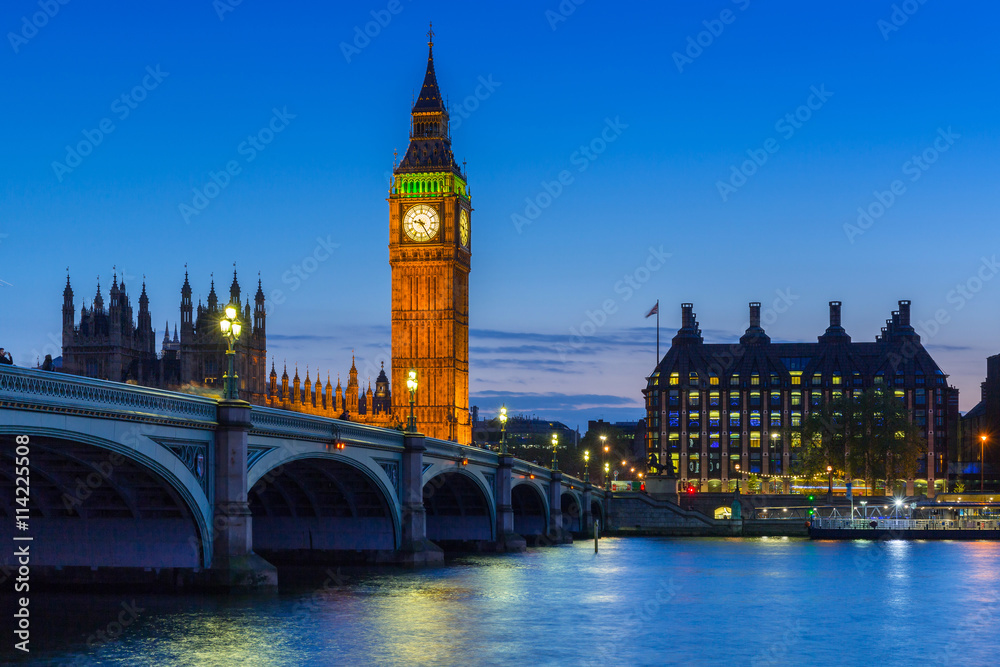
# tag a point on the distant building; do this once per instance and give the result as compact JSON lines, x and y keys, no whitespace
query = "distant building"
{"x":631,"y":436}
{"x":713,"y":406}
{"x":526,"y":436}
{"x":983,"y":419}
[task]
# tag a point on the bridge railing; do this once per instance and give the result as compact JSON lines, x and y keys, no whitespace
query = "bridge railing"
{"x":284,"y":422}
{"x":30,"y":388}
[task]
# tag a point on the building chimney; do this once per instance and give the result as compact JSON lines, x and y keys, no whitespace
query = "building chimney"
{"x":834,"y":314}
{"x":904,"y":313}
{"x":754,"y":314}
{"x":687,"y":317}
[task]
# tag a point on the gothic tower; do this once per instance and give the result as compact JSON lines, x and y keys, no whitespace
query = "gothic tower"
{"x":430,"y":255}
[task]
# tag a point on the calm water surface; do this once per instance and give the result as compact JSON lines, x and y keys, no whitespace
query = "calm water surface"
{"x":641,"y":601}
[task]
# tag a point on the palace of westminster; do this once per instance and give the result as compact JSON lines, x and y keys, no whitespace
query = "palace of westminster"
{"x":710,"y":407}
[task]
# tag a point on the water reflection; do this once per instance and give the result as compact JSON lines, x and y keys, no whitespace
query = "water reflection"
{"x":639,"y":601}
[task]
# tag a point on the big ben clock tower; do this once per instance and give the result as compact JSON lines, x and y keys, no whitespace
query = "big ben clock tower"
{"x":430,"y":255}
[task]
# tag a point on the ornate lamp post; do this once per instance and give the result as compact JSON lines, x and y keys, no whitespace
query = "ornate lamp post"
{"x":503,"y":429}
{"x":231,"y":330}
{"x":555,"y":456}
{"x":411,"y":384}
{"x":607,"y":468}
{"x":739,"y":477}
{"x":982,"y":462}
{"x":586,"y":463}
{"x":829,"y":489}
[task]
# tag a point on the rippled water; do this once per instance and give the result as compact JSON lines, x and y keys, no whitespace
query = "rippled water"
{"x":641,"y":601}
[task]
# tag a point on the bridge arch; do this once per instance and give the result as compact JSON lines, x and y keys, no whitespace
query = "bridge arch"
{"x":530,"y":508}
{"x":460,"y":509}
{"x":108,"y":499}
{"x":309,"y":506}
{"x":572,"y":511}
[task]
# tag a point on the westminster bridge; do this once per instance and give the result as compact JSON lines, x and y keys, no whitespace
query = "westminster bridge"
{"x":132,"y":484}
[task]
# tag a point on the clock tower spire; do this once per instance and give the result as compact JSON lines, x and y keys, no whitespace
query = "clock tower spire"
{"x":430,"y":255}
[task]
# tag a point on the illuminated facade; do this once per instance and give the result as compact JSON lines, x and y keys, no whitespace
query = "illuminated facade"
{"x":353,"y":404}
{"x":430,"y":254}
{"x":713,"y":406}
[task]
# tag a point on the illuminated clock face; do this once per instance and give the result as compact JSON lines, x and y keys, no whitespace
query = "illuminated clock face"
{"x":421,"y":223}
{"x":463,"y":227}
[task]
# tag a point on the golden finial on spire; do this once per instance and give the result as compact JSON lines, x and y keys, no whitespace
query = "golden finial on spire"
{"x":430,"y":34}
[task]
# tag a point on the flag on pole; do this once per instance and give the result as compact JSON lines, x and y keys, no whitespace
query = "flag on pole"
{"x":655,"y":310}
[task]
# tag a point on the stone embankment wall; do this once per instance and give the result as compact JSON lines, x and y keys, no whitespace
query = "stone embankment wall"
{"x":640,"y":514}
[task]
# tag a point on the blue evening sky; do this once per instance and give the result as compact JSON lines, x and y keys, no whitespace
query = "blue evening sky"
{"x":532,"y":94}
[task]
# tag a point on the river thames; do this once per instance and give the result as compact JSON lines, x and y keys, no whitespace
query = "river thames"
{"x":640,"y":601}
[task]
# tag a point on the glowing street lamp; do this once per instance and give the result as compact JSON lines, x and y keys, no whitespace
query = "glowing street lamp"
{"x":503,"y":429}
{"x":607,"y":468}
{"x":586,"y":463}
{"x":739,"y":477}
{"x":231,"y":330}
{"x":555,"y":456}
{"x":829,"y":490}
{"x":411,"y":384}
{"x":982,"y":466}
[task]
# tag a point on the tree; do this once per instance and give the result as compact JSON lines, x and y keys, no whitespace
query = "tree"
{"x":866,"y":435}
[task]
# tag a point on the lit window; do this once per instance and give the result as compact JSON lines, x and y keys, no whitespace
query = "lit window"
{"x":754,"y":439}
{"x":775,"y":419}
{"x":713,"y":379}
{"x":734,"y":420}
{"x":796,"y":398}
{"x":692,"y":378}
{"x":713,"y":419}
{"x":675,"y":378}
{"x":755,"y":419}
{"x":796,"y":419}
{"x":754,"y":379}
{"x":796,"y":379}
{"x":836,"y":378}
{"x":694,"y":398}
{"x":713,"y":399}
